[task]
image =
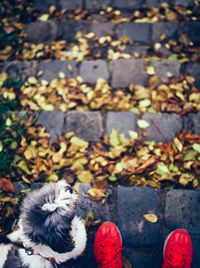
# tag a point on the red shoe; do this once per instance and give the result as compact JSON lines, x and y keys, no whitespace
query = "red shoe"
{"x":108,"y":246}
{"x":177,"y":250}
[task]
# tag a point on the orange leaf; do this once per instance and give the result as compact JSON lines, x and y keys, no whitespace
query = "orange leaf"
{"x":6,"y":185}
{"x":146,"y":164}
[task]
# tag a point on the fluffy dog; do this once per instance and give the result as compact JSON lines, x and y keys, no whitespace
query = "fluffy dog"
{"x":49,"y":231}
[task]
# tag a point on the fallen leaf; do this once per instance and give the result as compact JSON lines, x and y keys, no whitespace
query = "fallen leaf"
{"x":6,"y":185}
{"x":151,"y":218}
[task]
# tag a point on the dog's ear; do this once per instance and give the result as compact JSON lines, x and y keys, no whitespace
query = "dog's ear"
{"x":60,"y":241}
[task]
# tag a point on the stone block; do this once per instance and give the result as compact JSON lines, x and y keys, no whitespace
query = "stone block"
{"x":90,"y":71}
{"x":184,"y":2}
{"x":53,"y":122}
{"x":192,"y":29}
{"x":192,"y":123}
{"x":52,"y":68}
{"x":138,"y":50}
{"x":132,"y":204}
{"x":41,"y":32}
{"x":169,"y":124}
{"x":142,"y":258}
{"x":164,"y":69}
{"x":155,"y":3}
{"x":97,"y":4}
{"x":19,"y":70}
{"x":169,"y":29}
{"x":120,"y":121}
{"x":44,"y":5}
{"x":102,"y":29}
{"x":126,"y":72}
{"x":68,"y":29}
{"x":137,"y":32}
{"x":69,"y":5}
{"x":128,"y":4}
{"x":85,"y":125}
{"x":182,"y":210}
{"x":104,"y":212}
{"x":193,"y":69}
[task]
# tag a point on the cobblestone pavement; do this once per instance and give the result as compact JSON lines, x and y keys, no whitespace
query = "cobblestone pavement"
{"x":125,"y":206}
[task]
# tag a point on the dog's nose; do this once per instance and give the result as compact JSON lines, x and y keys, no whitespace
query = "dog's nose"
{"x":68,"y":188}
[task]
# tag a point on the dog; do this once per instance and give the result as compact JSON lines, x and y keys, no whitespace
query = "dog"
{"x":49,"y":232}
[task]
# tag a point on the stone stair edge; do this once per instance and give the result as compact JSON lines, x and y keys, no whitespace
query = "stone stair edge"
{"x":96,"y":5}
{"x":151,"y":32}
{"x":91,"y":70}
{"x":92,"y":125}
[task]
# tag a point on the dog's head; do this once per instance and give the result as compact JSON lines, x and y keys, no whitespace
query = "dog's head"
{"x":46,"y":216}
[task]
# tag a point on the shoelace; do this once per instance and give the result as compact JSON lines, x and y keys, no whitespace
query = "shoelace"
{"x":176,"y":259}
{"x":109,"y":252}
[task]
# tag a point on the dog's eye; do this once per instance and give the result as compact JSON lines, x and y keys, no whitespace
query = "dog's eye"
{"x":68,"y":188}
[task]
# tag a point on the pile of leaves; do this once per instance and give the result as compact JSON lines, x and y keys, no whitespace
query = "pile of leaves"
{"x":179,"y":95}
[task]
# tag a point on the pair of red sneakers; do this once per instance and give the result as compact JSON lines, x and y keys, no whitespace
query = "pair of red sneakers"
{"x":108,"y":247}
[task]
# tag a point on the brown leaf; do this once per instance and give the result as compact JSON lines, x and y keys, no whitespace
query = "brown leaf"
{"x":146,"y":164}
{"x":6,"y":185}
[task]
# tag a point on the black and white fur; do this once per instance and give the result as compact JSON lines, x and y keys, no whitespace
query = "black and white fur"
{"x":49,"y":226}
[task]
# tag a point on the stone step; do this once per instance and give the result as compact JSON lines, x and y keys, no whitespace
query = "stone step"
{"x":97,"y":4}
{"x":91,"y":126}
{"x":141,"y":33}
{"x":142,"y":239}
{"x":135,"y":70}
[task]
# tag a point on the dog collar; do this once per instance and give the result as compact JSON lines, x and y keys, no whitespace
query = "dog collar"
{"x":30,"y":252}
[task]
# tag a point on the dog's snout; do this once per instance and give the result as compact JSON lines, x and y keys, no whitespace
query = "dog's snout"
{"x":68,"y":188}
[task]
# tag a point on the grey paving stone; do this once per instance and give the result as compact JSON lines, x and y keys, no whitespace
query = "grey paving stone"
{"x":102,"y":29}
{"x":67,"y":30}
{"x":128,"y":4}
{"x":194,"y":70}
{"x":137,"y":32}
{"x":192,"y":123}
{"x":52,"y":68}
{"x":164,"y":69}
{"x":53,"y":122}
{"x":19,"y":70}
{"x":104,"y":212}
{"x":192,"y":29}
{"x":97,"y":4}
{"x":44,"y":5}
{"x":156,"y":3}
{"x":135,"y":229}
{"x":196,"y":255}
{"x":170,"y":29}
{"x":85,"y":125}
{"x":169,"y":124}
{"x":182,"y":210}
{"x":143,"y":259}
{"x":137,"y":49}
{"x":184,"y":2}
{"x":90,"y":71}
{"x":69,"y":5}
{"x":133,"y":73}
{"x":41,"y":32}
{"x":120,"y":121}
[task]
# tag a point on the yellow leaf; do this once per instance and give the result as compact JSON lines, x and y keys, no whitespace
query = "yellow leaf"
{"x":85,"y":176}
{"x":53,"y":177}
{"x":150,"y":70}
{"x":178,"y":144}
{"x":151,"y":218}
{"x":96,"y":193}
{"x":32,"y":80}
{"x":43,"y":17}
